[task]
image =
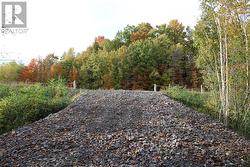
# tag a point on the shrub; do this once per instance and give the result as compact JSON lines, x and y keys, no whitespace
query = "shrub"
{"x":26,"y":104}
{"x":57,"y":88}
{"x":19,"y":110}
{"x":4,"y":91}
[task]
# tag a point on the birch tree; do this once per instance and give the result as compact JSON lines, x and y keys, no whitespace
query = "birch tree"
{"x":221,"y":37}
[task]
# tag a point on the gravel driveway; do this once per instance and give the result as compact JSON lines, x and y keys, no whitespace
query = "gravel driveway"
{"x":124,"y":128}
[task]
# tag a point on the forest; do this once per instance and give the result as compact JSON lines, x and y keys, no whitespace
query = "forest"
{"x":136,"y":58}
{"x":214,"y":54}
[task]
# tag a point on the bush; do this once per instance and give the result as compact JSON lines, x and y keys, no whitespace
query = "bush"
{"x":26,"y":104}
{"x":20,"y":110}
{"x":4,"y":91}
{"x":57,"y":88}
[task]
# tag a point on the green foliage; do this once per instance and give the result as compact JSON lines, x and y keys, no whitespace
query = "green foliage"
{"x":221,"y":38}
{"x":207,"y":102}
{"x":138,"y":57}
{"x":21,"y":109}
{"x":4,"y":91}
{"x":67,"y":62}
{"x":57,"y":88}
{"x":10,"y":72}
{"x":28,"y":103}
{"x":91,"y":73}
{"x":191,"y":98}
{"x":124,"y":37}
{"x":140,"y":64}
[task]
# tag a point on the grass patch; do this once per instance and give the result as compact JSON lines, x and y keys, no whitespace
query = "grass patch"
{"x":23,"y":104}
{"x":207,"y":103}
{"x":196,"y":100}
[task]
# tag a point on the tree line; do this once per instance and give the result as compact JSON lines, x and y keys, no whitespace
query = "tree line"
{"x":138,"y":57}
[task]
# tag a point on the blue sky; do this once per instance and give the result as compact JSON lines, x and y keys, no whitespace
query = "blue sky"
{"x":54,"y":26}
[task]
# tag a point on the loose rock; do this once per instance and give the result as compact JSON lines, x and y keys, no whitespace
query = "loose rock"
{"x":124,"y":128}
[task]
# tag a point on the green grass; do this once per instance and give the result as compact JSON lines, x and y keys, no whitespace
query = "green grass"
{"x":23,"y":104}
{"x":207,"y":103}
{"x":193,"y":99}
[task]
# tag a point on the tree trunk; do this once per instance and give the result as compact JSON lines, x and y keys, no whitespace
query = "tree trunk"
{"x":227,"y":81}
{"x":218,"y":80}
{"x":222,"y":71}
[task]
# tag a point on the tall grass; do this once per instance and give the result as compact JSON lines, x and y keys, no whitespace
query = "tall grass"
{"x":22,"y":104}
{"x":206,"y":102}
{"x":191,"y":98}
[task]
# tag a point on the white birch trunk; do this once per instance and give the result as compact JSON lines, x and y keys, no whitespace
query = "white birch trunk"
{"x":227,"y":81}
{"x":218,"y":80}
{"x":222,"y":71}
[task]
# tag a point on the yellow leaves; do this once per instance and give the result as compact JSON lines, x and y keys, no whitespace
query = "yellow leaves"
{"x":122,"y":52}
{"x":176,"y":25}
{"x":139,"y":35}
{"x":107,"y":81}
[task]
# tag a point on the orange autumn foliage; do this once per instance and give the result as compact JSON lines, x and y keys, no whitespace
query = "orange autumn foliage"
{"x":30,"y":72}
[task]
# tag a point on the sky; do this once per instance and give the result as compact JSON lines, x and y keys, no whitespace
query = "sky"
{"x":55,"y":26}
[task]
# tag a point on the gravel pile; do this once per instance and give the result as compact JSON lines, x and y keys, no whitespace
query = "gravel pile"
{"x":124,"y":128}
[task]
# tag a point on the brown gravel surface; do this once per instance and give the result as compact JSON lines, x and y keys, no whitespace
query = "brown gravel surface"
{"x":124,"y":128}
